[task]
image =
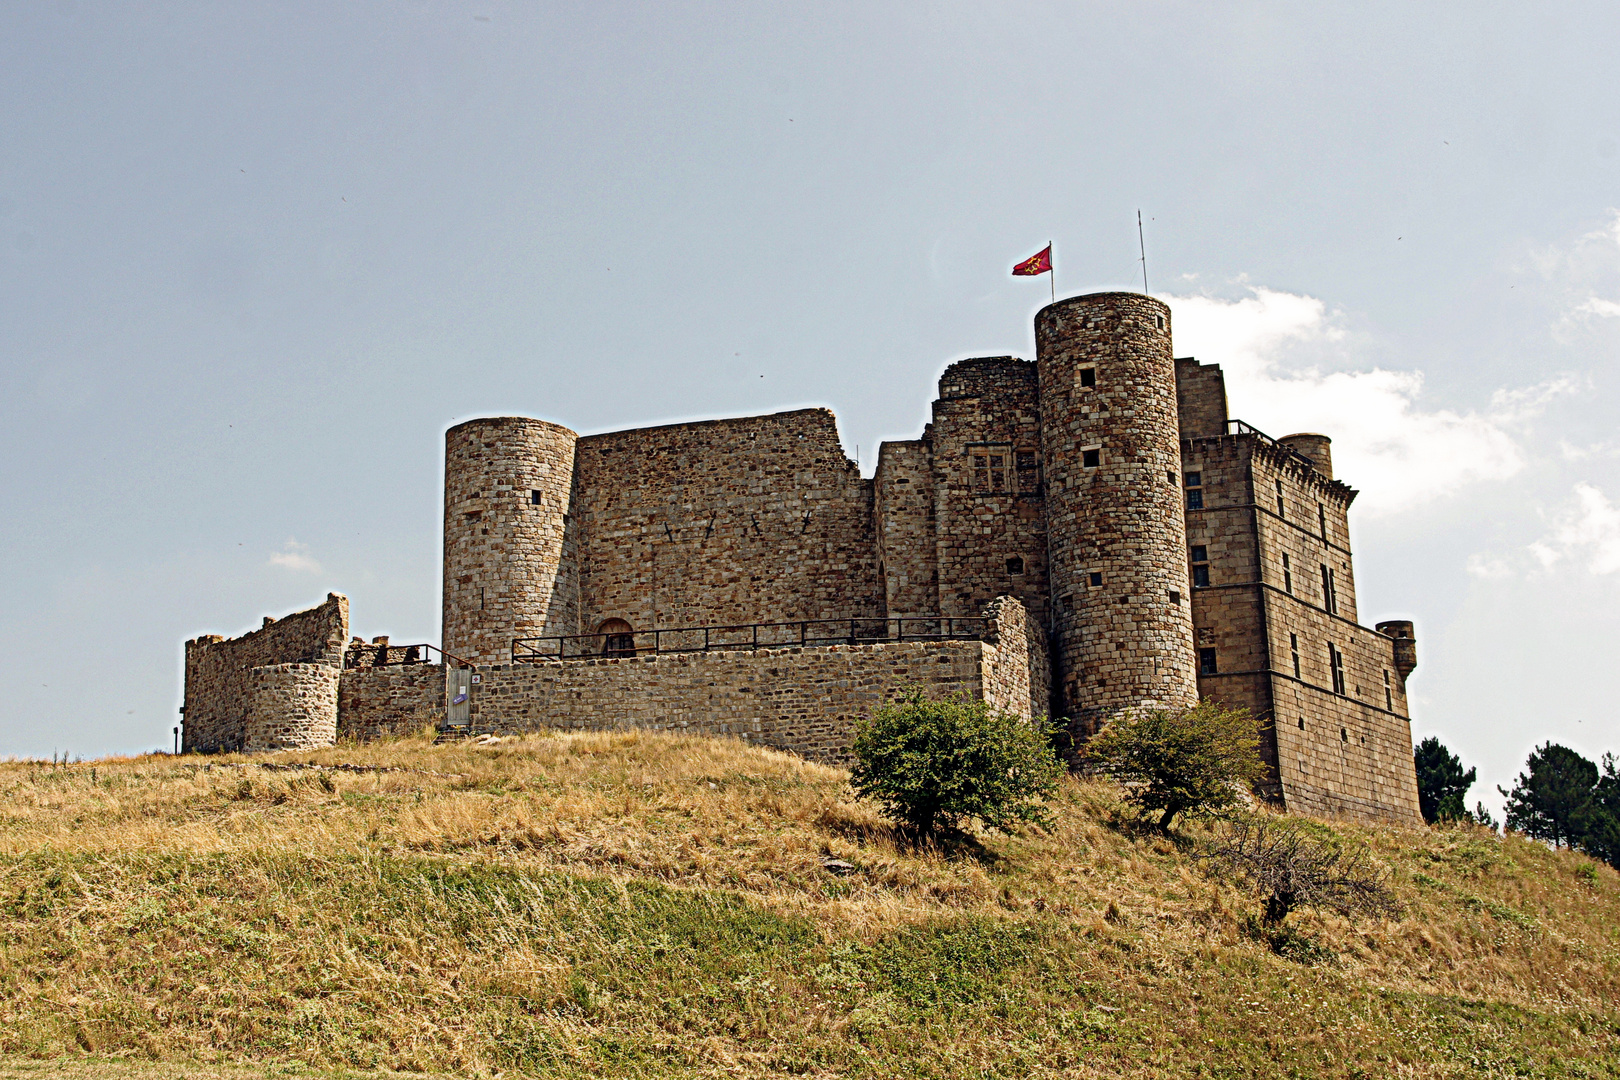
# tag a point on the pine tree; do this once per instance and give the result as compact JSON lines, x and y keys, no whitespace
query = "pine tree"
{"x":1552,"y":799}
{"x":1441,"y":782}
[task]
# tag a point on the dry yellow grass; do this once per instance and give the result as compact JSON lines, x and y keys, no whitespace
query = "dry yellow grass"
{"x":647,"y":904}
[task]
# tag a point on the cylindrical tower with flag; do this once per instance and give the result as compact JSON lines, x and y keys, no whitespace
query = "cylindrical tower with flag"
{"x":1117,"y":532}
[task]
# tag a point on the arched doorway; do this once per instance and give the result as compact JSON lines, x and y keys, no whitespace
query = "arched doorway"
{"x":617,"y":638}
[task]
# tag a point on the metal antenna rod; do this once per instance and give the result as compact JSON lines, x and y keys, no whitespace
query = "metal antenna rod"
{"x":1143,"y":245}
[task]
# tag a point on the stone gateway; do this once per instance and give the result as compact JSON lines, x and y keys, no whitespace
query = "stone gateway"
{"x":1075,"y":536}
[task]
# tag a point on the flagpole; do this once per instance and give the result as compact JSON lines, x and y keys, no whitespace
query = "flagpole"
{"x":1142,"y":244}
{"x":1052,"y":256}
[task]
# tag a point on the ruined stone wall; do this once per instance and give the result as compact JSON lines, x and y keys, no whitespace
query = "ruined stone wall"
{"x":1017,"y":670}
{"x":990,"y":514}
{"x":374,"y":702}
{"x":759,"y":519}
{"x":219,"y":685}
{"x":510,"y":566}
{"x":1200,"y":399}
{"x":289,"y":707}
{"x":1114,"y":505}
{"x":801,"y":700}
{"x":903,"y":494}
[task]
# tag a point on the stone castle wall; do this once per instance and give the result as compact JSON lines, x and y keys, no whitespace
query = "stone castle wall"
{"x":805,"y":700}
{"x":755,"y":520}
{"x":220,"y":686}
{"x":374,"y":702}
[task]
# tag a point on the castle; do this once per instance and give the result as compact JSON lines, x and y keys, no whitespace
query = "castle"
{"x":1074,"y":536}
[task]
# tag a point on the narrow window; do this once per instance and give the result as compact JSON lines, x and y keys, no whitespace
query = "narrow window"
{"x":1170,"y":478}
{"x":1389,"y":698}
{"x":1328,"y":600}
{"x":1088,"y":376}
{"x":1321,"y":517}
{"x":1206,"y":662}
{"x":1344,"y":736}
{"x":1095,"y":579}
{"x":1015,"y":565}
{"x":480,"y":598}
{"x":1288,"y":577}
{"x":1029,"y":472}
{"x":1200,"y":566}
{"x":1333,"y":593}
{"x":1194,"y":482}
{"x":1293,"y":647}
{"x":1158,"y":321}
{"x":1280,"y":509}
{"x":1302,"y":723}
{"x":1090,"y":458}
{"x":998,"y":472}
{"x":534,"y":498}
{"x":1336,"y":668}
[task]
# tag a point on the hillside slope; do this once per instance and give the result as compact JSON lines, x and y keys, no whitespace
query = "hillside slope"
{"x":655,"y":905}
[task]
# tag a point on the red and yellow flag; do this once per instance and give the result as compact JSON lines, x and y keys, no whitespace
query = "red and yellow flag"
{"x":1038,"y":263}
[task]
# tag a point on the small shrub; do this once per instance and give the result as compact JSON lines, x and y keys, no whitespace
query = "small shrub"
{"x":1180,"y":761}
{"x":1290,"y":869}
{"x":933,"y":764}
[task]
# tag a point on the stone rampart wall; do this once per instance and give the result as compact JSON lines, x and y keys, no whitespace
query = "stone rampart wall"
{"x":803,"y":700}
{"x":1017,"y":673}
{"x":218,"y":681}
{"x":380,"y":701}
{"x":289,"y":707}
{"x":759,"y":519}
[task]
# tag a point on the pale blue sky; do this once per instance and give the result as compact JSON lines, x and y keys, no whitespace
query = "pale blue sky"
{"x":255,"y":258}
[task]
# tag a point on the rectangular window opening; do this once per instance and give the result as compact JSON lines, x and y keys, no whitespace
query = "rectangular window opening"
{"x":1206,"y":662}
{"x":1288,"y":577}
{"x":1095,"y":579}
{"x":1015,"y":565}
{"x":1090,"y":459}
{"x":1389,"y":698}
{"x":1321,"y":517}
{"x":1293,"y":647}
{"x":1088,"y":377}
{"x":534,"y":498}
{"x":1281,"y":512}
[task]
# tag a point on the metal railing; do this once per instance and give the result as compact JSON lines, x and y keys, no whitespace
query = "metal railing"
{"x":388,"y":655}
{"x":1242,"y":427}
{"x":746,"y":637}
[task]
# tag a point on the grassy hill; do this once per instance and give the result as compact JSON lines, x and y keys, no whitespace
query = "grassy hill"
{"x":654,"y":905}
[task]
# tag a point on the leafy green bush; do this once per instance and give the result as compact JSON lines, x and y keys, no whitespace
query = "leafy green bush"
{"x":933,"y":764}
{"x":1180,"y":761}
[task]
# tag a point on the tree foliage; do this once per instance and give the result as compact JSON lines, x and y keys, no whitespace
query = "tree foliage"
{"x":1552,"y":799}
{"x":1442,"y":784}
{"x":933,"y":764}
{"x":1289,"y":869}
{"x":1181,"y":761}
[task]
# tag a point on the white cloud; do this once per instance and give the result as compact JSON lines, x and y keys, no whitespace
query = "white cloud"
{"x":1586,"y":532}
{"x":1596,"y":305}
{"x":1273,"y":347}
{"x":295,"y":556}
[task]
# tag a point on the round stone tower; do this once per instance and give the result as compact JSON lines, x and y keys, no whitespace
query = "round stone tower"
{"x":1117,"y":527}
{"x":509,"y":564}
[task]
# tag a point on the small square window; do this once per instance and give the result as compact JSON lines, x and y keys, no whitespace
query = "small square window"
{"x":1015,"y":565}
{"x":1206,"y":662}
{"x":1095,"y":579}
{"x":1200,"y":553}
{"x":1158,"y":322}
{"x":1302,"y":723}
{"x":1088,"y":376}
{"x":1091,"y":458}
{"x":1195,"y":479}
{"x":1201,"y":576}
{"x":1195,"y":499}
{"x":1344,"y":736}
